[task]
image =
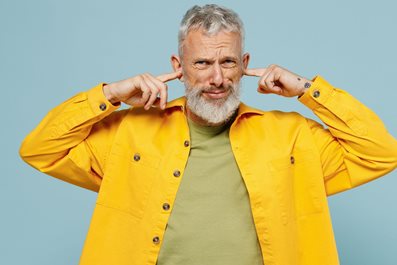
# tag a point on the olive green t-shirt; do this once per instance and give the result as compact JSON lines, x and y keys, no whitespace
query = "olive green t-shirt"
{"x":211,"y":222}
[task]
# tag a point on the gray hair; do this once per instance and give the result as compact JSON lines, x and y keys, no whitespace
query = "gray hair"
{"x":212,"y":19}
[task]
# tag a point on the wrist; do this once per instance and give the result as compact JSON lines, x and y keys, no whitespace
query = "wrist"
{"x":107,"y":91}
{"x":306,"y":84}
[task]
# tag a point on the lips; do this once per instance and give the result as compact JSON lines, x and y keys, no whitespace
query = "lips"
{"x":216,"y":93}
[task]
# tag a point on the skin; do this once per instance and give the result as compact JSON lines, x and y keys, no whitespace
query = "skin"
{"x":214,"y":62}
{"x":209,"y":62}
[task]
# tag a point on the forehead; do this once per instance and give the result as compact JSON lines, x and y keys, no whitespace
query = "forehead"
{"x":198,"y":43}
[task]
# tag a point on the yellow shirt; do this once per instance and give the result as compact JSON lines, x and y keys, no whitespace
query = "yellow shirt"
{"x":136,"y":160}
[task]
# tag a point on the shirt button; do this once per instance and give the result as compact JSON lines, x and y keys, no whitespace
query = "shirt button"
{"x":102,"y":106}
{"x":137,"y":157}
{"x":292,"y":159}
{"x":156,"y":240}
{"x":316,"y":94}
{"x":166,"y":206}
{"x":177,"y":173}
{"x":186,"y":143}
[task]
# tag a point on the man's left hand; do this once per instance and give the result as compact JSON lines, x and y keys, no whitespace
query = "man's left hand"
{"x":277,"y":80}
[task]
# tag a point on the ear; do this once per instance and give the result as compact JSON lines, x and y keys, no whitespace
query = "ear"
{"x":246,"y":59}
{"x":177,"y":65}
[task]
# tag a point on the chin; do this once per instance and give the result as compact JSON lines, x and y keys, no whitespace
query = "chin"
{"x":215,"y":109}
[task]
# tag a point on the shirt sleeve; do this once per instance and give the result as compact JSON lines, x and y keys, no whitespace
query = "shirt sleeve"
{"x":72,"y":141}
{"x":356,"y":147}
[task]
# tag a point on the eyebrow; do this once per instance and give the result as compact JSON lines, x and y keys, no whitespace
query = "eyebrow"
{"x":202,"y":59}
{"x":211,"y":60}
{"x":230,"y":58}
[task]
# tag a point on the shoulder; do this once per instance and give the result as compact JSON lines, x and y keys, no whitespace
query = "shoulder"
{"x":273,"y":116}
{"x":155,"y":119}
{"x":278,"y":116}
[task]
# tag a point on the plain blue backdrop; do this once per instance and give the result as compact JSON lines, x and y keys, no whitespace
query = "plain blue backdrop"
{"x":51,"y":50}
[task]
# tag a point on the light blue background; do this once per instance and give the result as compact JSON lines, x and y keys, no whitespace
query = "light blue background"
{"x":51,"y":50}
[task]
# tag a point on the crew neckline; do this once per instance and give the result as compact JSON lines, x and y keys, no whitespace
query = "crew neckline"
{"x":207,"y":129}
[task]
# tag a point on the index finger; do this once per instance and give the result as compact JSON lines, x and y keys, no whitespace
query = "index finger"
{"x":170,"y":76}
{"x":255,"y":72}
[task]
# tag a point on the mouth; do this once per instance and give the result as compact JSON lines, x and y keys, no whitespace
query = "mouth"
{"x":216,"y":93}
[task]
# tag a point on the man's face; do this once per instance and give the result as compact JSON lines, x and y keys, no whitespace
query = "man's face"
{"x":212,"y":61}
{"x":212,"y":68}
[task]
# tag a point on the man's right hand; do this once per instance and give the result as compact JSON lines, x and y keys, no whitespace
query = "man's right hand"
{"x":141,"y":90}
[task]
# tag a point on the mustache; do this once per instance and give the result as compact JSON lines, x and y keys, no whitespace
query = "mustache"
{"x":213,"y":88}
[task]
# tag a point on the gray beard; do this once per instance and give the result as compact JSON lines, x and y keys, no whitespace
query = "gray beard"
{"x":213,"y":111}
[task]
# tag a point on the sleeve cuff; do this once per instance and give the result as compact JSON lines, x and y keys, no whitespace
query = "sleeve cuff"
{"x":317,"y":94}
{"x":98,"y":102}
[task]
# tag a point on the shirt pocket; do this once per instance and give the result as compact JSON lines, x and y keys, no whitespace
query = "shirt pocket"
{"x":296,"y":191}
{"x":128,"y":181}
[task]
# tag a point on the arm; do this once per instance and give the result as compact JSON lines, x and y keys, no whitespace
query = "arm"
{"x":73,"y":141}
{"x":356,"y":148}
{"x":59,"y":145}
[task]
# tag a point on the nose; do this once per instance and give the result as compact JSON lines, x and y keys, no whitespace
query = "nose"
{"x":216,"y":76}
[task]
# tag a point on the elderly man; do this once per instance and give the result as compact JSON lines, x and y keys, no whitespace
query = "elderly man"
{"x":205,"y":179}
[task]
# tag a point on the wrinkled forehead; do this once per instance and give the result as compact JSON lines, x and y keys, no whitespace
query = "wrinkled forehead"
{"x":200,"y":43}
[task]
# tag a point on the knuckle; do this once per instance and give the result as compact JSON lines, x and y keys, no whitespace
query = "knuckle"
{"x":140,"y":79}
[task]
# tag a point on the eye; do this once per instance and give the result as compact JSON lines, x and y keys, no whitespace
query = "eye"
{"x":201,"y":64}
{"x":229,"y":63}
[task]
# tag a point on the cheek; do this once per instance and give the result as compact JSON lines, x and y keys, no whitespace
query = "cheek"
{"x":198,"y":77}
{"x":233,"y":74}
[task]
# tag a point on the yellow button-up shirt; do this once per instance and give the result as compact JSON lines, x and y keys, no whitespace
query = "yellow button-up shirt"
{"x":135,"y":159}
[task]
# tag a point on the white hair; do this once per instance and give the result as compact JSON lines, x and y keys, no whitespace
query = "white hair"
{"x":211,"y":19}
{"x":215,"y":111}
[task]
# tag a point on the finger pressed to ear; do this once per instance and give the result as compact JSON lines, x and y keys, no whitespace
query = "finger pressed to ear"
{"x":255,"y":72}
{"x":262,"y":80}
{"x":170,"y":76}
{"x":152,"y":87}
{"x":161,"y":79}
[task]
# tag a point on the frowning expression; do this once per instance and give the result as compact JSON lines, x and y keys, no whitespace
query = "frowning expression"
{"x":213,"y":62}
